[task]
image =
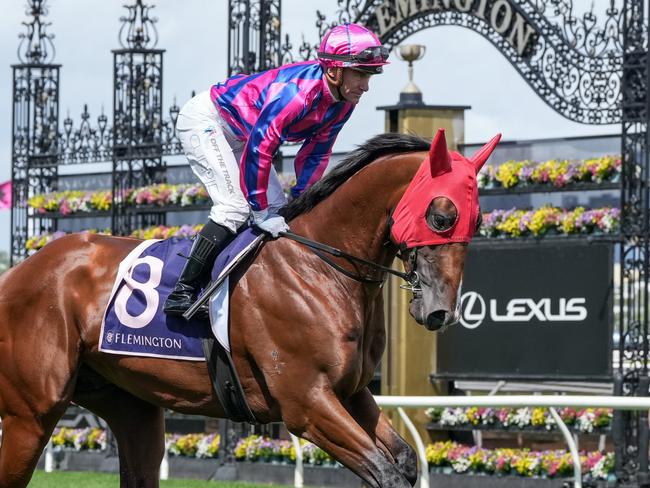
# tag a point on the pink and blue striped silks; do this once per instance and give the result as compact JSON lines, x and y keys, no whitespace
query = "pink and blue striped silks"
{"x":289,"y":103}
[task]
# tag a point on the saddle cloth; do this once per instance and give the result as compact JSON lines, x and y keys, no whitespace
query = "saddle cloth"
{"x":134,"y":322}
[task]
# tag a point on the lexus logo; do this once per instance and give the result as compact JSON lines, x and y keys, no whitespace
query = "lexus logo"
{"x":474,"y":310}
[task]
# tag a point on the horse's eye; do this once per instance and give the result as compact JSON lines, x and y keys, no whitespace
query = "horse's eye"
{"x":442,"y":214}
{"x":441,"y":222}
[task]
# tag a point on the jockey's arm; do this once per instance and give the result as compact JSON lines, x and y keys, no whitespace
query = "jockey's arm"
{"x":314,"y":155}
{"x":264,"y":140}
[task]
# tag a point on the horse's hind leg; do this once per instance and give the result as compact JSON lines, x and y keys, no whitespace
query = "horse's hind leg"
{"x":325,"y":422}
{"x":364,"y":409}
{"x":23,"y":440}
{"x":37,"y":377}
{"x":139,"y":428}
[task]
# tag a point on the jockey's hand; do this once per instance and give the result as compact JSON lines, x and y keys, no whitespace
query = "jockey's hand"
{"x":271,"y":223}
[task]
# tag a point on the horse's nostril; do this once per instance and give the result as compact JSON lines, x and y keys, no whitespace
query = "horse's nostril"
{"x":436,"y":319}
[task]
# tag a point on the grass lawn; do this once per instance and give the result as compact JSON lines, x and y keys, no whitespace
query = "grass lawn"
{"x":64,"y":479}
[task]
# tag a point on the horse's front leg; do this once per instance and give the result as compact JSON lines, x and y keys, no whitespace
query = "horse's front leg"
{"x":364,"y":410}
{"x":322,"y":419}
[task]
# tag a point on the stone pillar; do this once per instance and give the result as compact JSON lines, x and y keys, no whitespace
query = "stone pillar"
{"x":410,"y":355}
{"x":425,"y":120}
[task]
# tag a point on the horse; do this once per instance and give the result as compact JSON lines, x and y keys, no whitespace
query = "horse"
{"x":305,"y":338}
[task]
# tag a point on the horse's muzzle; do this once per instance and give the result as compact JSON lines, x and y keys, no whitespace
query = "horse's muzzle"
{"x":432,"y":321}
{"x":437,"y":319}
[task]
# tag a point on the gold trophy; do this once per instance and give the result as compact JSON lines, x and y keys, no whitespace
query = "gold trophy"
{"x":411,"y":94}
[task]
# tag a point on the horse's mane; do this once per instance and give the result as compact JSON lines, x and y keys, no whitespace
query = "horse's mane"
{"x":380,"y":145}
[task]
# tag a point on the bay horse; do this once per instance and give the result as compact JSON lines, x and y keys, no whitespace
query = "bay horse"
{"x":305,"y":338}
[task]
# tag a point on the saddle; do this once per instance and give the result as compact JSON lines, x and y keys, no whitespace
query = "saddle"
{"x":135,"y":324}
{"x":225,"y":381}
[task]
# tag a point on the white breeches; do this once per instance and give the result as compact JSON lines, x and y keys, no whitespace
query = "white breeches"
{"x":214,"y":154}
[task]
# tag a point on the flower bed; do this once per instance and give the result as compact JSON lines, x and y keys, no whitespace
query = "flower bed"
{"x":443,"y":457}
{"x":161,"y":195}
{"x":158,"y":232}
{"x":557,"y":173}
{"x":549,"y":220}
{"x":256,"y":448}
{"x":583,"y":420}
{"x":451,"y":457}
{"x":73,"y":201}
{"x":253,"y":448}
{"x":88,"y":439}
{"x":200,"y":446}
{"x":511,"y":223}
{"x":511,"y":174}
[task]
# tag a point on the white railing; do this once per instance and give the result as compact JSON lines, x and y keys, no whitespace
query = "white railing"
{"x":401,"y":402}
{"x":548,"y":401}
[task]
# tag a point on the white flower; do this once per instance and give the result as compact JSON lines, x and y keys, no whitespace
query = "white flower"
{"x":598,"y":471}
{"x":522,"y":417}
{"x":550,"y":423}
{"x":202,"y":448}
{"x":585,"y":422}
{"x":453,"y":416}
{"x":460,"y":465}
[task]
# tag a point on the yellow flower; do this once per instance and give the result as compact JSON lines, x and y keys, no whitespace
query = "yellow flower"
{"x":437,"y":452}
{"x":569,"y":220}
{"x":37,"y":201}
{"x":507,"y":173}
{"x":101,"y":200}
{"x":543,"y":219}
{"x":538,"y":417}
{"x":510,"y":225}
{"x":472,"y":415}
{"x":240,"y":450}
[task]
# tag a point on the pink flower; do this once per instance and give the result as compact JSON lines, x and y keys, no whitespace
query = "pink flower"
{"x":65,"y":208}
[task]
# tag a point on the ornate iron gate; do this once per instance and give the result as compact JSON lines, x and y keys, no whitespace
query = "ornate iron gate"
{"x":137,"y":117}
{"x":135,"y":143}
{"x":34,"y":144}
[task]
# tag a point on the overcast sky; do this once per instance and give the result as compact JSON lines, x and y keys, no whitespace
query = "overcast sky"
{"x":460,"y":68}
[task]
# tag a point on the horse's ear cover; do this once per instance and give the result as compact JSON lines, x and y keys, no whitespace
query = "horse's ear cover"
{"x":439,"y":157}
{"x":443,"y":174}
{"x":483,"y":154}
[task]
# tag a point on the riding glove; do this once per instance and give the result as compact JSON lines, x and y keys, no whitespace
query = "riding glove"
{"x":271,"y":223}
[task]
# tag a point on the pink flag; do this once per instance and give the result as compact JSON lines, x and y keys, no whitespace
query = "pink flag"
{"x":5,"y":195}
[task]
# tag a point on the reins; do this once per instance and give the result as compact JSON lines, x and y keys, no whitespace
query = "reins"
{"x":411,"y":277}
{"x":320,"y":249}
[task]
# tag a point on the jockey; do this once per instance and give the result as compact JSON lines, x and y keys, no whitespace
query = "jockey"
{"x":231,"y":134}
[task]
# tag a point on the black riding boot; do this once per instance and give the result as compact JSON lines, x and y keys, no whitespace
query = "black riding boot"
{"x":208,"y":243}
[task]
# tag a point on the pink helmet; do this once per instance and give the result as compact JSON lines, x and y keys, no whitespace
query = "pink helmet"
{"x":352,"y":46}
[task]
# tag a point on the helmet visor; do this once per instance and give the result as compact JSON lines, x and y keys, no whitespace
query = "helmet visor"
{"x":372,"y":55}
{"x":369,"y":56}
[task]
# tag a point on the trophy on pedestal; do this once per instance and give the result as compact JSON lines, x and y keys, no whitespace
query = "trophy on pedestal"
{"x":410,"y":94}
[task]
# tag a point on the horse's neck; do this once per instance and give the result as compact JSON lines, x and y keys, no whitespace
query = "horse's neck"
{"x":355,"y":217}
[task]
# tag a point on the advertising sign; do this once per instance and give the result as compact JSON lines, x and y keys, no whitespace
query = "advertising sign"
{"x":532,"y":312}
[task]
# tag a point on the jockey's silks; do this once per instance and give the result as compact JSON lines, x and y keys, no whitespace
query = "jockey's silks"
{"x":289,"y":103}
{"x":442,"y":174}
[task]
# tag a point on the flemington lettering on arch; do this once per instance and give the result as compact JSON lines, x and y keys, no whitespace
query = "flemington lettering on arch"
{"x":501,"y":15}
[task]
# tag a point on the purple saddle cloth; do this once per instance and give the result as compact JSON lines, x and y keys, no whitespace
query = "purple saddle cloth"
{"x":134,"y":322}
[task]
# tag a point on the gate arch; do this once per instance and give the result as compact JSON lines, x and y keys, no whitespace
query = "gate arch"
{"x":574,"y":64}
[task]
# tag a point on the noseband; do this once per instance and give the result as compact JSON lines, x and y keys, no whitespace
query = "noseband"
{"x":411,"y":277}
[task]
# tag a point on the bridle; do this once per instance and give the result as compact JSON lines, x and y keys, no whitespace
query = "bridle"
{"x":411,"y":277}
